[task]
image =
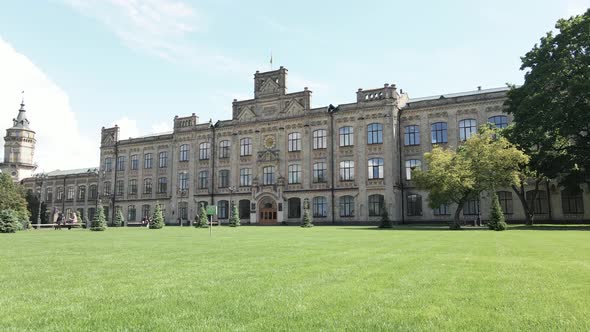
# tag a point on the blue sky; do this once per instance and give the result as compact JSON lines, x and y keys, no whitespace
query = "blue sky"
{"x":139,"y":63}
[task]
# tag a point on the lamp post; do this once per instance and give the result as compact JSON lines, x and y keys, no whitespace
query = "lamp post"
{"x":39,"y":179}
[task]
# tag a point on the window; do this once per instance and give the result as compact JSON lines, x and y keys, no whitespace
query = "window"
{"x":244,"y":209}
{"x":106,"y":213}
{"x":108,"y":164}
{"x":183,"y":210}
{"x":540,"y":205}
{"x":49,"y":194}
{"x":375,"y":133}
{"x":347,"y":206}
{"x":471,"y":207}
{"x":411,"y":135}
{"x":134,"y":162}
{"x":162,"y":185}
{"x":107,"y":188}
{"x":121,"y":163}
{"x":320,"y":172}
{"x":131,"y":213}
{"x":93,"y":192}
{"x":438,"y":132}
{"x":246,"y":146}
{"x":346,"y":135}
{"x":347,"y":170}
{"x":467,"y":128}
{"x":442,"y":210}
{"x":294,"y":207}
{"x":500,"y":121}
{"x":203,"y":179}
{"x":505,"y":199}
{"x":411,"y":165}
{"x":145,"y":211}
{"x":294,"y":142}
{"x":222,"y":209}
{"x":147,"y":186}
{"x":224,"y":149}
{"x":294,"y":173}
{"x":414,"y":205}
{"x":320,"y":207}
{"x":133,"y":187}
{"x":120,"y":188}
{"x":91,"y":213}
{"x":147,"y":160}
{"x":376,"y":204}
{"x":183,"y":181}
{"x":245,"y":177}
{"x":224,"y":178}
{"x":268,"y":175}
{"x":183,"y":154}
{"x":70,"y":193}
{"x":375,"y":168}
{"x":163,"y":159}
{"x":320,"y":140}
{"x":81,"y":193}
{"x":204,"y":151}
{"x":572,"y":202}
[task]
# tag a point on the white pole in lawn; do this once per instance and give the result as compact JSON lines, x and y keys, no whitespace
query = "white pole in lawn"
{"x":210,"y":224}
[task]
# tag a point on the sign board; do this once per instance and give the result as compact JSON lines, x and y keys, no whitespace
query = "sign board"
{"x":211,"y":210}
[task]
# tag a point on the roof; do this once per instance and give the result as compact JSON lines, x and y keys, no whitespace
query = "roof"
{"x":21,"y":121}
{"x":459,"y":94}
{"x":59,"y":172}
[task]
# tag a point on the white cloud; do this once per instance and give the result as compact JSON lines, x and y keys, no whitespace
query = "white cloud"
{"x":127,"y":128}
{"x":161,"y":127}
{"x":576,"y":7}
{"x":59,"y":141}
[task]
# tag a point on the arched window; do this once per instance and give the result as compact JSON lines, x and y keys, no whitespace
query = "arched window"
{"x":81,"y":193}
{"x":246,"y":146}
{"x":120,"y":187}
{"x":70,"y":193}
{"x":147,"y":186}
{"x":92,"y":192}
{"x":107,"y":189}
{"x":294,"y":174}
{"x":411,"y":135}
{"x":268,"y":175}
{"x":184,"y":152}
{"x":294,"y":207}
{"x":414,"y":204}
{"x":500,"y":121}
{"x":294,"y":142}
{"x":224,"y":178}
{"x":163,"y":159}
{"x":320,"y":172}
{"x":346,"y":206}
{"x":467,"y":128}
{"x":244,"y":209}
{"x":203,"y":180}
{"x":147,"y":161}
{"x":376,"y":205}
{"x":540,"y":204}
{"x":505,"y":199}
{"x":204,"y":151}
{"x":320,"y":207}
{"x":347,"y":170}
{"x":438,"y":132}
{"x":346,"y":136}
{"x":224,"y":149}
{"x":572,"y":201}
{"x":411,"y":165}
{"x":320,"y":140}
{"x":375,"y":168}
{"x":131,"y":213}
{"x":133,"y":187}
{"x":375,"y":133}
{"x":162,"y":185}
{"x":134,"y":162}
{"x":183,"y":181}
{"x":245,"y":177}
{"x":222,"y":209}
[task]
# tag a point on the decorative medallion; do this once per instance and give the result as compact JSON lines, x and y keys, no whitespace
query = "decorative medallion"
{"x":269,"y":142}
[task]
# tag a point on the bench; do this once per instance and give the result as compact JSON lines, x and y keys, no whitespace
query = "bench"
{"x":69,"y":226}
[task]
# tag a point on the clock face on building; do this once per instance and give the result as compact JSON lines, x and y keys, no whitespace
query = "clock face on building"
{"x":269,"y":142}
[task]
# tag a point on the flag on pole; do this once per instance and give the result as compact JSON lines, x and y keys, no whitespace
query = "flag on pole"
{"x":271,"y":60}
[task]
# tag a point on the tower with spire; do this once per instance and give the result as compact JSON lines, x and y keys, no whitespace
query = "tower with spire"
{"x":19,"y":147}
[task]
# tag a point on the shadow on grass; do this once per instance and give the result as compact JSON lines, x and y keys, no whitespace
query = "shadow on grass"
{"x":416,"y":228}
{"x":551,"y":228}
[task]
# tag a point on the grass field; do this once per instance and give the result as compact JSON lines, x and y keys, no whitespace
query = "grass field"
{"x":288,"y":278}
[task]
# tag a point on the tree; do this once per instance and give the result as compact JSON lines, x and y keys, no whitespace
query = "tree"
{"x":157,"y":221}
{"x":201,"y":220}
{"x":9,"y":222}
{"x":552,"y":108}
{"x":234,"y":220}
{"x":497,"y":221}
{"x":306,"y":222}
{"x":483,"y":162}
{"x":12,"y":197}
{"x":99,"y":223}
{"x":33,"y":207}
{"x":119,"y":220}
{"x":385,"y":221}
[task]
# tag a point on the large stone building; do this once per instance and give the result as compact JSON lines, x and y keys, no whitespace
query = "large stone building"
{"x":278,"y":153}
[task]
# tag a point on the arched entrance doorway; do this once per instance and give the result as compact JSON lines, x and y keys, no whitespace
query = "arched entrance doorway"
{"x":268,"y":211}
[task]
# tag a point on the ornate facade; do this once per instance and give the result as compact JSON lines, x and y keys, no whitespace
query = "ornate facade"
{"x":278,"y":153}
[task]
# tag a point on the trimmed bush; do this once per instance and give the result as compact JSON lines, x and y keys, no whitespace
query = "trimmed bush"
{"x":119,"y":221}
{"x":306,"y":222}
{"x":497,"y":221}
{"x":234,"y":220}
{"x":9,"y":221}
{"x":157,"y":221}
{"x":99,"y":223}
{"x":385,"y":221}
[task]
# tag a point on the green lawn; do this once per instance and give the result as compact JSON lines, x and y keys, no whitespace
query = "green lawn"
{"x":289,"y":278}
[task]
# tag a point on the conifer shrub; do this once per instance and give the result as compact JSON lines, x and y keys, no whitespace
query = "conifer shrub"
{"x":99,"y":223}
{"x":157,"y":221}
{"x":234,"y":220}
{"x":497,"y":221}
{"x":119,"y":221}
{"x":9,"y":221}
{"x":385,"y":221}
{"x":306,"y":222}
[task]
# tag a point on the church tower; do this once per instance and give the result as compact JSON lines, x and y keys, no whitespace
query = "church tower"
{"x":19,"y":147}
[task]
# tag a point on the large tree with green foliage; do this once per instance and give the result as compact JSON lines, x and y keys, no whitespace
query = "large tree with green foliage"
{"x":552,"y":108}
{"x":12,"y":197}
{"x":484,"y":162}
{"x":33,"y":207}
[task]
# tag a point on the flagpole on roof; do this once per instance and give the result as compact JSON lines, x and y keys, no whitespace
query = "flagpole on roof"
{"x":270,"y":60}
